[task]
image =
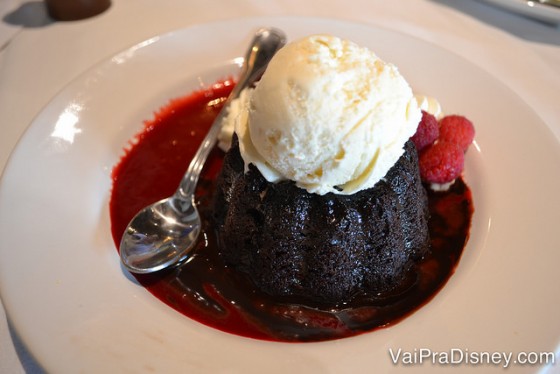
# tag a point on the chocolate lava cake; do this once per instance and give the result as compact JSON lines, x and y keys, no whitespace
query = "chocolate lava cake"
{"x":328,"y":248}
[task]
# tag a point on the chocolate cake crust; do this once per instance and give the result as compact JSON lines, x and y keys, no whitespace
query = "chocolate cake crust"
{"x":327,"y":248}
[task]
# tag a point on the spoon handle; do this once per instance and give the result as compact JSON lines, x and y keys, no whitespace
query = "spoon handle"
{"x":265,"y":44}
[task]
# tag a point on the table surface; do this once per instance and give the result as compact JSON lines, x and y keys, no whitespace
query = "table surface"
{"x":521,"y":52}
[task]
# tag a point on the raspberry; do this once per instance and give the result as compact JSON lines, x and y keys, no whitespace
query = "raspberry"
{"x":427,"y":132}
{"x":442,"y":162}
{"x":456,"y":129}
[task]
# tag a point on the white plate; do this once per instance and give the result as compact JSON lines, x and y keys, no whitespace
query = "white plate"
{"x":535,"y":9}
{"x":75,"y":308}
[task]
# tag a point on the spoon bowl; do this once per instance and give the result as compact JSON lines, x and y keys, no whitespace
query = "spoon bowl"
{"x":163,"y":234}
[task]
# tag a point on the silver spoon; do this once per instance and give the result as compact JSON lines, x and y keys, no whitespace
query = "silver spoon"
{"x":164,"y":233}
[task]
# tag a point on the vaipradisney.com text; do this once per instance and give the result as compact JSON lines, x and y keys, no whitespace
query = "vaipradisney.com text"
{"x":462,"y":356}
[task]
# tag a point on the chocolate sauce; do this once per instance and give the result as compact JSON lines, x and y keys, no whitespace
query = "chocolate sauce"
{"x":207,"y":291}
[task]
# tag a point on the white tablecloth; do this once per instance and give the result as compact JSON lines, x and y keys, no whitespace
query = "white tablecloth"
{"x":39,"y":56}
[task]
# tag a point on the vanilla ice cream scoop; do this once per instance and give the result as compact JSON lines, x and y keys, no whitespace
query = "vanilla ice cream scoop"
{"x":327,"y":114}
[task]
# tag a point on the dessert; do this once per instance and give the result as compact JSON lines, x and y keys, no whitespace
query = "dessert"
{"x":327,"y":114}
{"x":213,"y":293}
{"x":320,"y":195}
{"x":326,"y":248}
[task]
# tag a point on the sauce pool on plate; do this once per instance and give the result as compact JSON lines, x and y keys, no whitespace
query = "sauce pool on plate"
{"x":207,"y":291}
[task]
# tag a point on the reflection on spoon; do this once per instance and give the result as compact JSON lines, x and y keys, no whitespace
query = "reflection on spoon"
{"x":163,"y":234}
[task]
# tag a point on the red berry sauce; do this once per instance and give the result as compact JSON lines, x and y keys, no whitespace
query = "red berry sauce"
{"x":215,"y":295}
